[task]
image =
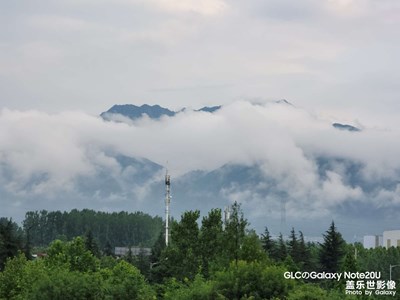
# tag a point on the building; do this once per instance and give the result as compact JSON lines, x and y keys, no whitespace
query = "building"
{"x":391,"y":238}
{"x":122,"y":251}
{"x":372,"y":241}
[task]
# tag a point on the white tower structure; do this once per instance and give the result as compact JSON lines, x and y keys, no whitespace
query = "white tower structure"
{"x":227,"y":215}
{"x":167,"y":202}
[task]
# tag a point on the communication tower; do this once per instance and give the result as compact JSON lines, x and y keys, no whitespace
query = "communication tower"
{"x":167,"y":202}
{"x":283,"y":215}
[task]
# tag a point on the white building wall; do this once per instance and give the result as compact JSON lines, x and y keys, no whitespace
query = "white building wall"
{"x":372,"y":241}
{"x":391,"y":238}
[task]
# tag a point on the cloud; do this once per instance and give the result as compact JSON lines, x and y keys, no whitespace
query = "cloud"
{"x":300,"y":158}
{"x":89,"y":54}
{"x":207,"y":7}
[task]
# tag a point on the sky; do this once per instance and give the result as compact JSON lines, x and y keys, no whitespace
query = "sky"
{"x":334,"y":56}
{"x":64,"y":62}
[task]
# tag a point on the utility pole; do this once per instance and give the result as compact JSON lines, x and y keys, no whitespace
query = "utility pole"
{"x":390,"y":271}
{"x":167,"y":202}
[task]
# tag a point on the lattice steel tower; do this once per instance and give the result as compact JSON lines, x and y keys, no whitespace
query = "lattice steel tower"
{"x":167,"y":202}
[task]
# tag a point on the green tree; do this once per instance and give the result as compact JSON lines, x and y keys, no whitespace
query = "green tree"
{"x":251,"y":248}
{"x":71,"y":254}
{"x":91,"y":244}
{"x":199,"y":289}
{"x":293,"y":244}
{"x":108,"y":249}
{"x":268,"y":244}
{"x":234,"y":233}
{"x":142,"y":262}
{"x":211,"y":242}
{"x":182,"y":256}
{"x":332,"y":250}
{"x":282,"y":249}
{"x":304,"y":254}
{"x":62,"y":284}
{"x":10,"y":240}
{"x":252,"y":280}
{"x":126,"y":282}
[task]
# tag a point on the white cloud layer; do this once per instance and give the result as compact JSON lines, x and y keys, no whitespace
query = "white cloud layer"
{"x":45,"y":155}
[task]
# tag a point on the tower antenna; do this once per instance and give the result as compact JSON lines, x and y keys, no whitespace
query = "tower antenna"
{"x":283,"y":215}
{"x":167,"y":202}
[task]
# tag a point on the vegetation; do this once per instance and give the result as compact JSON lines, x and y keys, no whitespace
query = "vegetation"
{"x":210,"y":259}
{"x":112,"y":229}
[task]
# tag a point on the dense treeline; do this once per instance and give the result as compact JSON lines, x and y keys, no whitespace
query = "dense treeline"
{"x":207,"y":259}
{"x":112,"y":229}
{"x":11,"y":240}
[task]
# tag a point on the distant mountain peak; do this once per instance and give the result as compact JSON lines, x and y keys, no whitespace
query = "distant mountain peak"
{"x":346,"y":127}
{"x":284,"y":101}
{"x":134,"y":112}
{"x":210,"y":109}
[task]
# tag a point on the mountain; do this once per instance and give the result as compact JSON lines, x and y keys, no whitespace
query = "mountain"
{"x":345,"y":127}
{"x":308,"y":176}
{"x":210,"y":109}
{"x":134,"y":112}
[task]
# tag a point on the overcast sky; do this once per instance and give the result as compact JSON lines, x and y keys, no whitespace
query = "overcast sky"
{"x":337,"y":57}
{"x":64,"y":62}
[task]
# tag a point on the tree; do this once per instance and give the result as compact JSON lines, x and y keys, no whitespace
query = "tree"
{"x":282,"y":250}
{"x":268,"y":244}
{"x":91,"y":244}
{"x":294,"y":248}
{"x":126,"y":282}
{"x":182,"y":256}
{"x":235,"y":230}
{"x":304,"y":254}
{"x":142,"y":262}
{"x":72,"y":255}
{"x":332,"y":250}
{"x":252,"y":280}
{"x":108,"y":250}
{"x":10,"y":240}
{"x":349,"y":261}
{"x":211,"y":243}
{"x":251,"y":249}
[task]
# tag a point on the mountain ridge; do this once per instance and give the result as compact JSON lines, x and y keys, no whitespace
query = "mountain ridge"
{"x":155,"y":112}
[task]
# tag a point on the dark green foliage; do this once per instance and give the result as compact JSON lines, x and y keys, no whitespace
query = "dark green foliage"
{"x":182,"y":257}
{"x":235,"y":230}
{"x":142,"y":262}
{"x":304,"y":256}
{"x":91,"y":244}
{"x":199,"y":289}
{"x":10,"y":240}
{"x":211,"y":240}
{"x":126,"y":282}
{"x":251,"y":249}
{"x":268,"y":244}
{"x":349,"y":262}
{"x":308,"y":292}
{"x":281,"y":249}
{"x":293,"y":250}
{"x":332,"y":250}
{"x":117,"y":229}
{"x":129,"y":256}
{"x":215,"y":261}
{"x":63,"y":284}
{"x":108,"y":250}
{"x":244,"y":280}
{"x":72,"y":255}
{"x":48,"y":279}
